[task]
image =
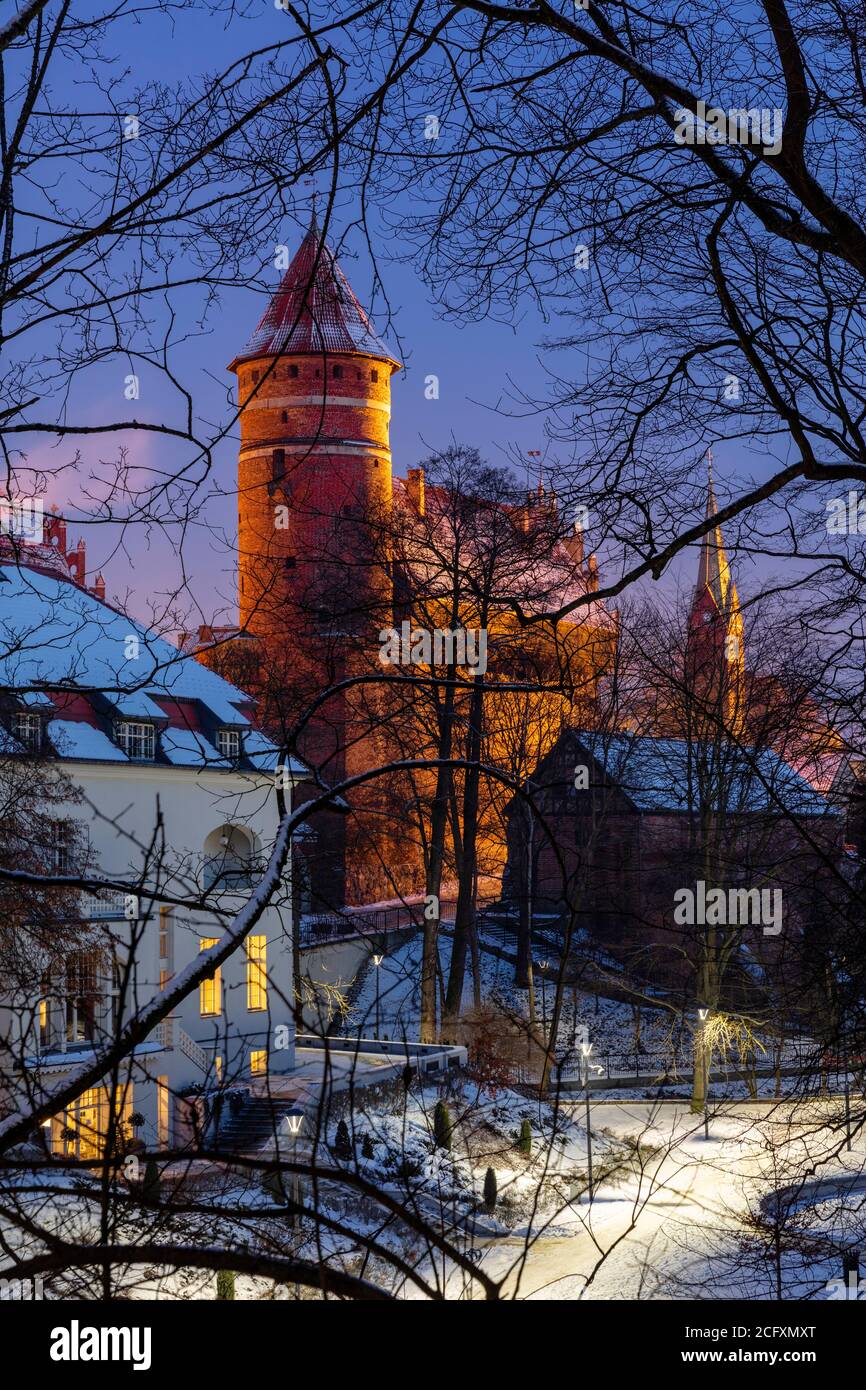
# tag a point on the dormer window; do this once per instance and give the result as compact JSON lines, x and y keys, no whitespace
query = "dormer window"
{"x":27,"y":728}
{"x":229,"y":744}
{"x":137,"y":739}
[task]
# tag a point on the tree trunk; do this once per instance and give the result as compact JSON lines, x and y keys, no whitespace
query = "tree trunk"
{"x":466,"y":885}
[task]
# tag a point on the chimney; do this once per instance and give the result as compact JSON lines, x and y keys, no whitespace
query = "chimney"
{"x":55,"y":531}
{"x":415,"y":488}
{"x":592,"y":574}
{"x":573,"y":546}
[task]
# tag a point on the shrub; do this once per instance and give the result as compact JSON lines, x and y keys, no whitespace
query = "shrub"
{"x":342,"y":1141}
{"x":150,"y":1186}
{"x":490,"y":1190}
{"x":225,"y":1284}
{"x":442,"y":1126}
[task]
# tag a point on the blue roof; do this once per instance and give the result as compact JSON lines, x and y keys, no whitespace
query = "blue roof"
{"x":671,"y":774}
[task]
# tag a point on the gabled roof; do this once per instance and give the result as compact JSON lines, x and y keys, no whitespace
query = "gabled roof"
{"x":314,"y":310}
{"x":662,"y":774}
{"x":64,"y":650}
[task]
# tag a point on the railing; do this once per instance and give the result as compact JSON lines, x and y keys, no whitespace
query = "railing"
{"x":357,"y":922}
{"x":106,"y":906}
{"x":170,"y":1034}
{"x":802,"y":1054}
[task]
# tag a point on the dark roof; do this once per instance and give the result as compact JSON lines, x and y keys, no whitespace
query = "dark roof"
{"x":655,"y":774}
{"x":314,"y":310}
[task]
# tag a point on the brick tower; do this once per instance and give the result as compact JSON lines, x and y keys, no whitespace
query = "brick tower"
{"x":314,"y":496}
{"x":715,"y":658}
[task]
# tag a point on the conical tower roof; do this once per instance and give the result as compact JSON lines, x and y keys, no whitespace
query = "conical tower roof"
{"x":314,"y":310}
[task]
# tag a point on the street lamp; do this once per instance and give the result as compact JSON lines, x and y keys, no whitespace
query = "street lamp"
{"x":703,"y":1015}
{"x":585,"y":1051}
{"x":295,"y":1124}
{"x":377,"y":961}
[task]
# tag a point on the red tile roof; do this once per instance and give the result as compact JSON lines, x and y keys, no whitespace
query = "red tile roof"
{"x":314,"y":310}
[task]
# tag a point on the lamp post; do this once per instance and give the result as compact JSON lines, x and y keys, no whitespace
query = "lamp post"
{"x":585,"y":1051}
{"x":295,"y":1124}
{"x":703,"y":1015}
{"x":377,"y":961}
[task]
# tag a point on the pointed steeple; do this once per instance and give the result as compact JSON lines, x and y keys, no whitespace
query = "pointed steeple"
{"x":314,"y":310}
{"x":715,"y":655}
{"x":714,"y":571}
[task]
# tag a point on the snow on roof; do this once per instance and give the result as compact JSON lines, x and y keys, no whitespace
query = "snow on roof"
{"x":668,"y":774}
{"x":185,"y":748}
{"x":59,"y":636}
{"x":75,"y":739}
{"x":260,"y":751}
{"x":56,"y":634}
{"x":137,"y":705}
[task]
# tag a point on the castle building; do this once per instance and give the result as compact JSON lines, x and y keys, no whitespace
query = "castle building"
{"x":331,"y":544}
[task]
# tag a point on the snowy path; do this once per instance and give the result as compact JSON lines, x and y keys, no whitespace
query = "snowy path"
{"x":659,"y":1230}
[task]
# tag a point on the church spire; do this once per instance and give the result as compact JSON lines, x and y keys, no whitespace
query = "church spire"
{"x":715,"y":637}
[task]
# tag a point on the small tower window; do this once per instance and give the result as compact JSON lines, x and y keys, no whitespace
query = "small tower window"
{"x":285,"y":417}
{"x":293,"y":371}
{"x":255,"y":377}
{"x":278,"y":463}
{"x":338,"y":371}
{"x":374,"y":375}
{"x":318,"y":371}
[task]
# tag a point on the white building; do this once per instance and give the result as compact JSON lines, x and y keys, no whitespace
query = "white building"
{"x":177,"y":798}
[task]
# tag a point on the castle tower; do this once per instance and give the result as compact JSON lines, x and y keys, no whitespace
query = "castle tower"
{"x":715,"y":658}
{"x":314,"y":506}
{"x":314,"y":395}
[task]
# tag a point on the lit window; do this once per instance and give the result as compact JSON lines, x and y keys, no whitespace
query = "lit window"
{"x":257,"y":975}
{"x":27,"y":728}
{"x":163,"y":1111}
{"x":258,"y":1061}
{"x":209,"y":1004}
{"x":137,"y":740}
{"x":229,"y":743}
{"x":218,"y":1066}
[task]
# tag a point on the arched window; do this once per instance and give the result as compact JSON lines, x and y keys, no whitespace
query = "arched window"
{"x":228,"y":859}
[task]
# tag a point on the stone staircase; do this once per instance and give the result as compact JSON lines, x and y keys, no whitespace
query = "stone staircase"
{"x":249,"y":1128}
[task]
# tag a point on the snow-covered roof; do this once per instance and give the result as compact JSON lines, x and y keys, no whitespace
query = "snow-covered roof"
{"x":669,"y":774}
{"x":63,"y":647}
